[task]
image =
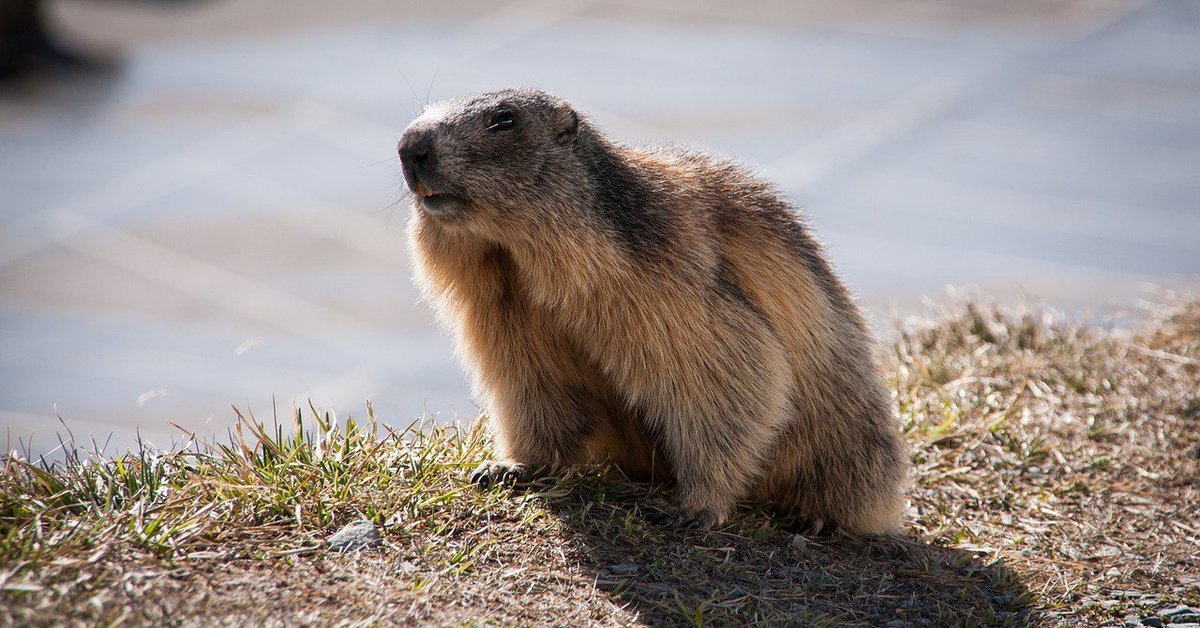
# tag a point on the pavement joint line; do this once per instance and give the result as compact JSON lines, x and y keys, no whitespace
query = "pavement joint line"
{"x":180,"y":392}
{"x":36,"y":231}
{"x":138,"y":186}
{"x":914,"y":109}
{"x":234,"y":292}
{"x":865,"y":242}
{"x":316,"y":216}
{"x":974,"y":132}
{"x":859,"y":137}
{"x":1155,"y":225}
{"x":191,"y":358}
{"x":888,"y":22}
{"x":1083,"y":22}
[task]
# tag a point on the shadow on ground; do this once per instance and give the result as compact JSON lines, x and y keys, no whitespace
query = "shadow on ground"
{"x":754,"y":571}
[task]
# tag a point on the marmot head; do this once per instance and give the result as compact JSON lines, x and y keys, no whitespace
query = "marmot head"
{"x":488,"y":155}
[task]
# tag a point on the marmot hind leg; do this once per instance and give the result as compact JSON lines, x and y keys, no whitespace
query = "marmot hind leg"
{"x":720,"y":423}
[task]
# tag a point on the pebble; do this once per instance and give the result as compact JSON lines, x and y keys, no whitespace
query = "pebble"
{"x":799,"y":542}
{"x":1176,"y":617}
{"x":622,"y":569}
{"x":1181,"y":615}
{"x":355,"y":535}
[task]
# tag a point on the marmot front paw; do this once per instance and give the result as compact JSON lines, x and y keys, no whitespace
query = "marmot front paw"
{"x":813,"y":526}
{"x":502,"y":472}
{"x":685,"y":520}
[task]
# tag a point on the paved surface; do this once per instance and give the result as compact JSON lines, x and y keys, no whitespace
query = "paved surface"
{"x":217,"y":223}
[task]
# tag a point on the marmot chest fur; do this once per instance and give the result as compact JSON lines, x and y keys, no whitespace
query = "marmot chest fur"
{"x":660,"y":309}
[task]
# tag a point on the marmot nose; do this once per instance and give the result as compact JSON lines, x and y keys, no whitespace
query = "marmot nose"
{"x":416,"y":146}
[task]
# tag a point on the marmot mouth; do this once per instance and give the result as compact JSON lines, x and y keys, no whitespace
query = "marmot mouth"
{"x":439,"y":202}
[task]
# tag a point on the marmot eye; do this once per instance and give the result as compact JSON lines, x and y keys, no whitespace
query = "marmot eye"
{"x":502,"y":121}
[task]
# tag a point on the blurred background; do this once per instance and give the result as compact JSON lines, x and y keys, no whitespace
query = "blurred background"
{"x":199,"y":200}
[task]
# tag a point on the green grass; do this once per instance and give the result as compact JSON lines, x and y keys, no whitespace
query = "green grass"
{"x":307,"y":475}
{"x":1056,"y":481}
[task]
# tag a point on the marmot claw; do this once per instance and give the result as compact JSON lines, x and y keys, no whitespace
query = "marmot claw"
{"x":702,"y":520}
{"x":500,"y":472}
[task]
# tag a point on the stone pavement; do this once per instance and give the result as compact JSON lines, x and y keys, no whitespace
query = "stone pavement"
{"x":218,"y":223}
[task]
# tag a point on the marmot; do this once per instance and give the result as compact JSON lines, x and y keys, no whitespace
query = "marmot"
{"x":661,"y":309}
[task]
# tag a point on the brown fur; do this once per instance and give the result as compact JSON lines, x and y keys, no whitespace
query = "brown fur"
{"x":663,"y":310}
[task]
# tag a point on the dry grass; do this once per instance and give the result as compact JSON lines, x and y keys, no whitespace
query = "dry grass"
{"x":1056,"y":483}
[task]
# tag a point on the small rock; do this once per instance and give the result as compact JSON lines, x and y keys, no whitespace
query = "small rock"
{"x":799,"y":542}
{"x":896,"y":623}
{"x":622,"y":569}
{"x":1132,"y":621}
{"x":1152,"y":621}
{"x":1181,"y":615}
{"x":355,"y":535}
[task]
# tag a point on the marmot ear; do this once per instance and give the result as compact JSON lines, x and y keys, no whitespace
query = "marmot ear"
{"x":568,"y":126}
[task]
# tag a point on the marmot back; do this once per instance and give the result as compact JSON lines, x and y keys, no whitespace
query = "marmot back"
{"x":662,"y":310}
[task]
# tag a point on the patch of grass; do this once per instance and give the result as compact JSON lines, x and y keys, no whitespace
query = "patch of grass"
{"x":1056,"y":480}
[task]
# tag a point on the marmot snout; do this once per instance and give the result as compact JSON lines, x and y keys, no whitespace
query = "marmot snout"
{"x":660,"y":309}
